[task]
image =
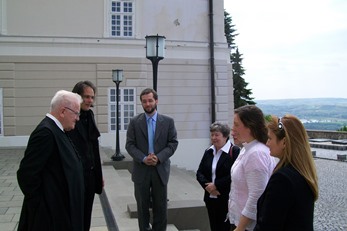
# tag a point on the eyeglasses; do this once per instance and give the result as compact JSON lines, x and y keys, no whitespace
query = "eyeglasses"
{"x":280,"y":124}
{"x":75,"y":112}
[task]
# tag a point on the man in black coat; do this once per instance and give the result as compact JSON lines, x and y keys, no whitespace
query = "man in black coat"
{"x":85,"y":137}
{"x":50,"y":175}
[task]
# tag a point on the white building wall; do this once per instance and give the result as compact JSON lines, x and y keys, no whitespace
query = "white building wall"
{"x":63,"y":18}
{"x":50,"y":45}
{"x":176,"y":19}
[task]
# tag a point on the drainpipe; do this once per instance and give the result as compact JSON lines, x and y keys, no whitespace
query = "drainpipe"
{"x":213,"y":96}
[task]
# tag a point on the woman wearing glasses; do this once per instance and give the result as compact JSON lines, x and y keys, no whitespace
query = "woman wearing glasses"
{"x":251,"y":170}
{"x":288,"y":200}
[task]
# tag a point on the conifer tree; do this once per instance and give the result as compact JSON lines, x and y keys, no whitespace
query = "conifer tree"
{"x":242,"y":95}
{"x":241,"y":92}
{"x":229,"y":30}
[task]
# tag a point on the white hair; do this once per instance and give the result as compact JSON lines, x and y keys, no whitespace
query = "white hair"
{"x":66,"y":98}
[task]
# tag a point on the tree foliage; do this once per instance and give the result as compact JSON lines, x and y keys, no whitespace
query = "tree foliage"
{"x":241,"y":92}
{"x":229,"y":30}
{"x":242,"y":95}
{"x":343,"y":129}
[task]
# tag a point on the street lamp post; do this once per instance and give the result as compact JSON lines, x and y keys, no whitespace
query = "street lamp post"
{"x":155,"y":45}
{"x":117,"y":77}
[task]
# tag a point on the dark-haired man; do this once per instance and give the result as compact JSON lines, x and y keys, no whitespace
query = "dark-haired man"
{"x":85,"y":137}
{"x":151,"y":163}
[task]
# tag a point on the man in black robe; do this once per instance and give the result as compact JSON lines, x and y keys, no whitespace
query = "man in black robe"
{"x":50,"y":175}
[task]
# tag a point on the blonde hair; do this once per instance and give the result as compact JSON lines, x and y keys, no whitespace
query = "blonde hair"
{"x":297,"y":150}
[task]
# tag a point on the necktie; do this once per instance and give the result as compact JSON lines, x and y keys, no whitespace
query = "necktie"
{"x":150,"y":135}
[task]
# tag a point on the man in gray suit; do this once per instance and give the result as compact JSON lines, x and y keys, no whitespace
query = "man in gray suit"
{"x":151,"y":163}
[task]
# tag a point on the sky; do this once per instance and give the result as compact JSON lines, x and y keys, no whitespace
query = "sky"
{"x":292,"y":49}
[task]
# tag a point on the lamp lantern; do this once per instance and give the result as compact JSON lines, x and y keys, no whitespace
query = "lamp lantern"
{"x":117,"y":76}
{"x":155,"y":51}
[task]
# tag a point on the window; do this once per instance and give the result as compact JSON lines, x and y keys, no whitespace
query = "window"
{"x":121,"y":18}
{"x":1,"y":116}
{"x":126,"y":108}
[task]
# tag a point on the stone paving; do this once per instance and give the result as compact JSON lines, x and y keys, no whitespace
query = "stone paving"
{"x":330,"y":209}
{"x":11,"y":196}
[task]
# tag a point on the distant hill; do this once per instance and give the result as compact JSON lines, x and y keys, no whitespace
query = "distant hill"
{"x":315,"y":113}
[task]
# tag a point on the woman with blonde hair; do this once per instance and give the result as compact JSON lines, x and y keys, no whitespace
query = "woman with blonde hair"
{"x":288,"y":200}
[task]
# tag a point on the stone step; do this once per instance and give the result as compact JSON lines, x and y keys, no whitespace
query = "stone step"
{"x":339,"y":147}
{"x":119,"y":191}
{"x":171,"y":227}
{"x":189,"y":189}
{"x":188,"y":214}
{"x":183,"y":186}
{"x":189,"y":230}
{"x":186,"y":209}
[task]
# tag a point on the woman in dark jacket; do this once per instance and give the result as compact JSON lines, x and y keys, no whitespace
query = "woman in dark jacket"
{"x":288,"y":201}
{"x":214,"y":175}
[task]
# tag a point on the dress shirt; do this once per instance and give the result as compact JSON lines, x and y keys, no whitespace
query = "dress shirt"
{"x":55,"y":121}
{"x":216,"y":156}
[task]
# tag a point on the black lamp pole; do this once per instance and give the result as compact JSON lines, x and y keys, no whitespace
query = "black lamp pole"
{"x":155,"y":63}
{"x":117,"y":77}
{"x":155,"y":45}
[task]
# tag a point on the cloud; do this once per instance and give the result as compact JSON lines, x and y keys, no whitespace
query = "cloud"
{"x":292,"y":49}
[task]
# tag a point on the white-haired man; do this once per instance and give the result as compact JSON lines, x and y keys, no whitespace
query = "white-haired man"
{"x":50,"y":175}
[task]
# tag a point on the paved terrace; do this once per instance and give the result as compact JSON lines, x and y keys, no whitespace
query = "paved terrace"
{"x":330,"y":210}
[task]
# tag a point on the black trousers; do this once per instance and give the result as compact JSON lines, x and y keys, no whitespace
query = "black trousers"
{"x":217,"y":209}
{"x":89,"y":181}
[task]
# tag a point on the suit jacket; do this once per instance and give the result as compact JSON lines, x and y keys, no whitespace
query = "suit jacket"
{"x":165,"y":144}
{"x":83,"y":144}
{"x":51,"y":178}
{"x":287,"y":203}
{"x":222,"y":181}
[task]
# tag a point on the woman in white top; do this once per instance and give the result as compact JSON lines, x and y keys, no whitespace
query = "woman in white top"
{"x":251,"y":170}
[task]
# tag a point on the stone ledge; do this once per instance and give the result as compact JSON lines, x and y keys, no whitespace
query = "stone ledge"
{"x":336,"y":135}
{"x":184,"y":214}
{"x":342,"y":157}
{"x":123,"y":164}
{"x":328,"y":146}
{"x":314,"y":153}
